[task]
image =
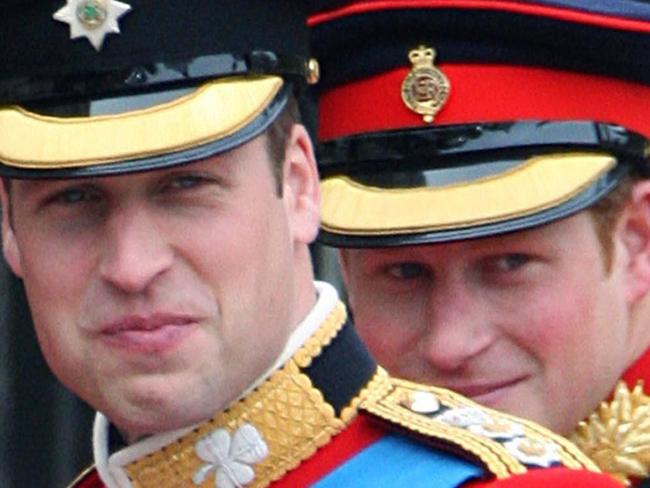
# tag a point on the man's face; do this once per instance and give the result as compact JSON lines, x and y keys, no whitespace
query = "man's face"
{"x":158,"y":297}
{"x":530,"y":323}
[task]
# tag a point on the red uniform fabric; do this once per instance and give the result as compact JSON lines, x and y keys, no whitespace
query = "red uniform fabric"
{"x":639,"y":371}
{"x":546,"y":478}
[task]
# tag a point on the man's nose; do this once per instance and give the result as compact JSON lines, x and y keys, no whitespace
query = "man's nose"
{"x":457,"y":326}
{"x":136,"y":250}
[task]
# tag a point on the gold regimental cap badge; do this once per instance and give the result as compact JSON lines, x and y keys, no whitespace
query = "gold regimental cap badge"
{"x":425,"y":89}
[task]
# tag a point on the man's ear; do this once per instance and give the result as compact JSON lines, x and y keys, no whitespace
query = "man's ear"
{"x":301,"y":185}
{"x":9,"y":244}
{"x":635,"y":231}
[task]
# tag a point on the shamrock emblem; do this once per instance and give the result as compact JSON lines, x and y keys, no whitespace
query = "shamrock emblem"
{"x":230,"y":458}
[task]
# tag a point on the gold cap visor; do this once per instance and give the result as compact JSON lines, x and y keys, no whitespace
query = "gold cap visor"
{"x":214,"y":111}
{"x":538,"y":184}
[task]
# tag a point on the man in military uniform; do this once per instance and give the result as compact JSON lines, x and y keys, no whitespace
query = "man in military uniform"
{"x":160,"y":195}
{"x":485,"y":168}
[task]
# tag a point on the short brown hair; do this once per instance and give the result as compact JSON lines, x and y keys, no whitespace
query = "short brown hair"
{"x":276,"y":139}
{"x":605,"y":214}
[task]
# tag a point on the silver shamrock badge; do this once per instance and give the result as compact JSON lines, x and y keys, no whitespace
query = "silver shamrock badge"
{"x":230,"y":458}
{"x":93,"y":19}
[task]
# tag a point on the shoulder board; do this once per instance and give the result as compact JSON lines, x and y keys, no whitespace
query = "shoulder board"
{"x":503,"y":444}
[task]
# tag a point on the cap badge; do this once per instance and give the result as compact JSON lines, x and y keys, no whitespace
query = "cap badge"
{"x":425,"y":89}
{"x":93,"y":19}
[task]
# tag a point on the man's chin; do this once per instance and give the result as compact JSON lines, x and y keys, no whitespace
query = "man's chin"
{"x":146,"y":408}
{"x":139,"y":423}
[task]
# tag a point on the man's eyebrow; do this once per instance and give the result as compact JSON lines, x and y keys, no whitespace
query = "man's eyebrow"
{"x":527,"y":238}
{"x":218,"y":176}
{"x":28,"y":187}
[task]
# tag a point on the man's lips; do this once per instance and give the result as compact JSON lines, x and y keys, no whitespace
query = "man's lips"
{"x":486,"y":392}
{"x":148,"y":334}
{"x":145,"y":323}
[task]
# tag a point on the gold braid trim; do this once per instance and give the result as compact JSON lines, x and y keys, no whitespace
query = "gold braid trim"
{"x":378,"y":387}
{"x":291,"y":415}
{"x":617,"y":435}
{"x":492,"y":453}
{"x":322,"y":337}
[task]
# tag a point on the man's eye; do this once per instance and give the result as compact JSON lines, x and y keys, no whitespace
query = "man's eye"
{"x":72,"y":196}
{"x":406,"y":271}
{"x":508,"y":262}
{"x":186,"y":182}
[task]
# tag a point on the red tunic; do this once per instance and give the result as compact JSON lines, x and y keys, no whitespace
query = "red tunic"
{"x":363,"y":432}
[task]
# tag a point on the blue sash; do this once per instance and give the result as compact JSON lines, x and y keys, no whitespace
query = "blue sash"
{"x":400,"y":462}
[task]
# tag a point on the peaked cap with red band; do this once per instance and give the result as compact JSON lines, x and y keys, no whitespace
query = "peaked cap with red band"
{"x":452,"y":119}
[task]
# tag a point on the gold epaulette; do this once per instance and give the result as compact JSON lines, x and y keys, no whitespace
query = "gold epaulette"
{"x":617,"y":435}
{"x":504,"y":444}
